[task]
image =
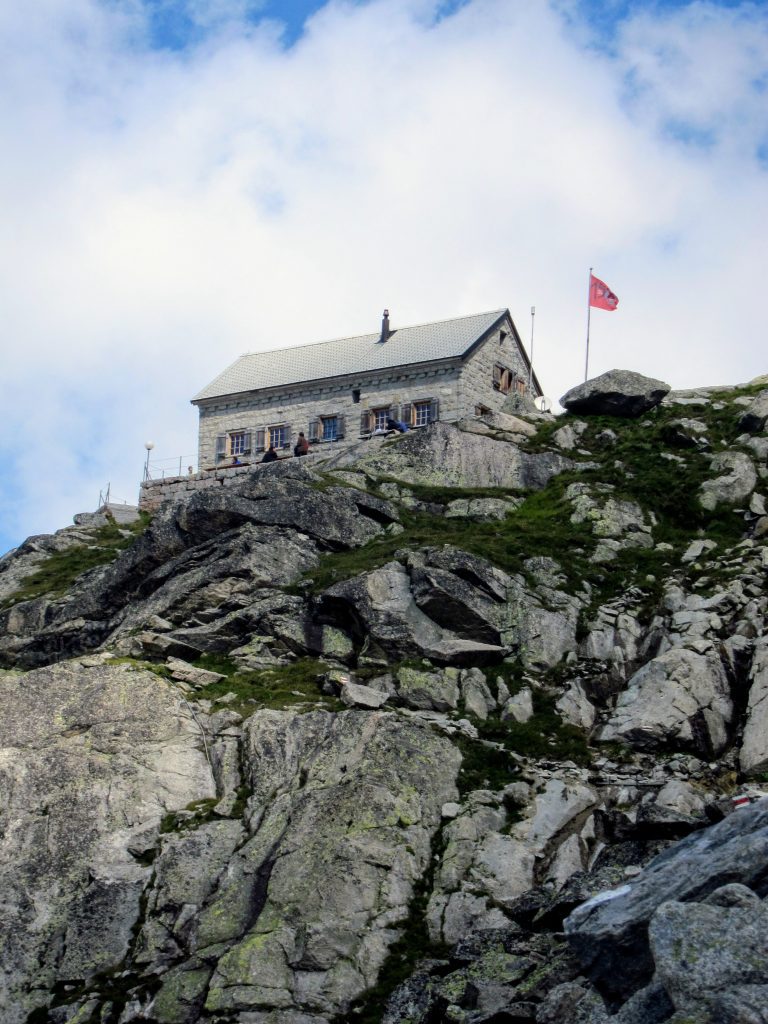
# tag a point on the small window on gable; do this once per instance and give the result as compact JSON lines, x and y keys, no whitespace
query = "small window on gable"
{"x":356,"y":395}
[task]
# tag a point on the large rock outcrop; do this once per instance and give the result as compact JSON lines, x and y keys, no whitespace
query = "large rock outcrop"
{"x":755,"y":415}
{"x":681,"y":698}
{"x":437,"y":752}
{"x":382,"y":606}
{"x":445,"y":456}
{"x":610,"y":933}
{"x":615,"y":393}
{"x":341,"y":834}
{"x":214,"y":553}
{"x":92,"y":756}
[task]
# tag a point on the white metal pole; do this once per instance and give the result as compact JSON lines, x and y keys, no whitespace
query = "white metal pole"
{"x":589,"y":310}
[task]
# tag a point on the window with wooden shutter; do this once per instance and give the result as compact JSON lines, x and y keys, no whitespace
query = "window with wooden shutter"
{"x":221,"y":447}
{"x":502,"y":378}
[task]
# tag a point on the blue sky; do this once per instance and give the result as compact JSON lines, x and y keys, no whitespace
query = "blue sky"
{"x":175,"y":26}
{"x":186,"y":180}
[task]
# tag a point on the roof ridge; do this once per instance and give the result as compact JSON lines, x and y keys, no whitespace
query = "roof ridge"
{"x":369,"y":334}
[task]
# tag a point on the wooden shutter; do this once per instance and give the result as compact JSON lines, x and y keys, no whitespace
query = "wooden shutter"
{"x":339,"y":426}
{"x":497,"y":372}
{"x":366,"y":421}
{"x":314,"y":430}
{"x":247,"y":443}
{"x":287,"y":436}
{"x":406,"y":413}
{"x":434,"y":410}
{"x":260,"y":440}
{"x":221,"y":447}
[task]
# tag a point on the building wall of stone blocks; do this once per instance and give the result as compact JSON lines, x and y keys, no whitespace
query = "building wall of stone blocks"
{"x":476,"y":379}
{"x":299,"y":407}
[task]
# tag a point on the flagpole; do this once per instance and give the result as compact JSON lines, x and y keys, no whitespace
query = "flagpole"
{"x":530,"y":367}
{"x":589,"y":310}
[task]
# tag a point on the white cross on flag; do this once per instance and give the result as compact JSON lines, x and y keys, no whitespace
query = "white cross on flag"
{"x":600,"y":295}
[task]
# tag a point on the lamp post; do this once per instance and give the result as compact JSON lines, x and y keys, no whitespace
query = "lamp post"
{"x":149,"y":445}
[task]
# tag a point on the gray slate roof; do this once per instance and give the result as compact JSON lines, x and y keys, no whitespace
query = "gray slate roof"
{"x":445,"y":339}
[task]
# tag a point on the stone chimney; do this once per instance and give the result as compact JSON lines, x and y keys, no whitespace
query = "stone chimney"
{"x":385,"y":331}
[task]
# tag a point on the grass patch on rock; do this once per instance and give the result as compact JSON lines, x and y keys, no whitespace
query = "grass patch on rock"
{"x":540,"y":526}
{"x":276,"y":687}
{"x":193,"y":816}
{"x":143,"y":666}
{"x":485,"y":764}
{"x":56,"y":574}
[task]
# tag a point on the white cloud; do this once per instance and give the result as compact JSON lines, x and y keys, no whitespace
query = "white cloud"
{"x":166,"y":211}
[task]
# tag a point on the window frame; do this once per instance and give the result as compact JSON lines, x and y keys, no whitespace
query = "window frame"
{"x":325,"y":422}
{"x":284,"y":434}
{"x":379,"y":416}
{"x":421,"y":406}
{"x":234,"y":448}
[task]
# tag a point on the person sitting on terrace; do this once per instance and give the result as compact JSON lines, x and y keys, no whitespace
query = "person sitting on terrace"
{"x":270,"y":455}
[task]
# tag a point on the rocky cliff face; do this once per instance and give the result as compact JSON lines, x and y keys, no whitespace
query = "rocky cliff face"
{"x":445,"y":728}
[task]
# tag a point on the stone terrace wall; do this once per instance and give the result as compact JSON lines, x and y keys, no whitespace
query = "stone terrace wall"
{"x":155,"y":493}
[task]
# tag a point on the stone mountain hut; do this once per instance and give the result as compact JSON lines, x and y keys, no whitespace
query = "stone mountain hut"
{"x":344,"y":390}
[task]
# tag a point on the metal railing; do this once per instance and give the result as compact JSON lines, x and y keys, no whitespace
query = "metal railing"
{"x":178,"y":465}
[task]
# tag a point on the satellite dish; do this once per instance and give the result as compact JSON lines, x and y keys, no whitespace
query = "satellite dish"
{"x":543,"y":404}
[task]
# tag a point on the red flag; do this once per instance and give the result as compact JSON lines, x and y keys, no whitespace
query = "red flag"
{"x":600,"y":295}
